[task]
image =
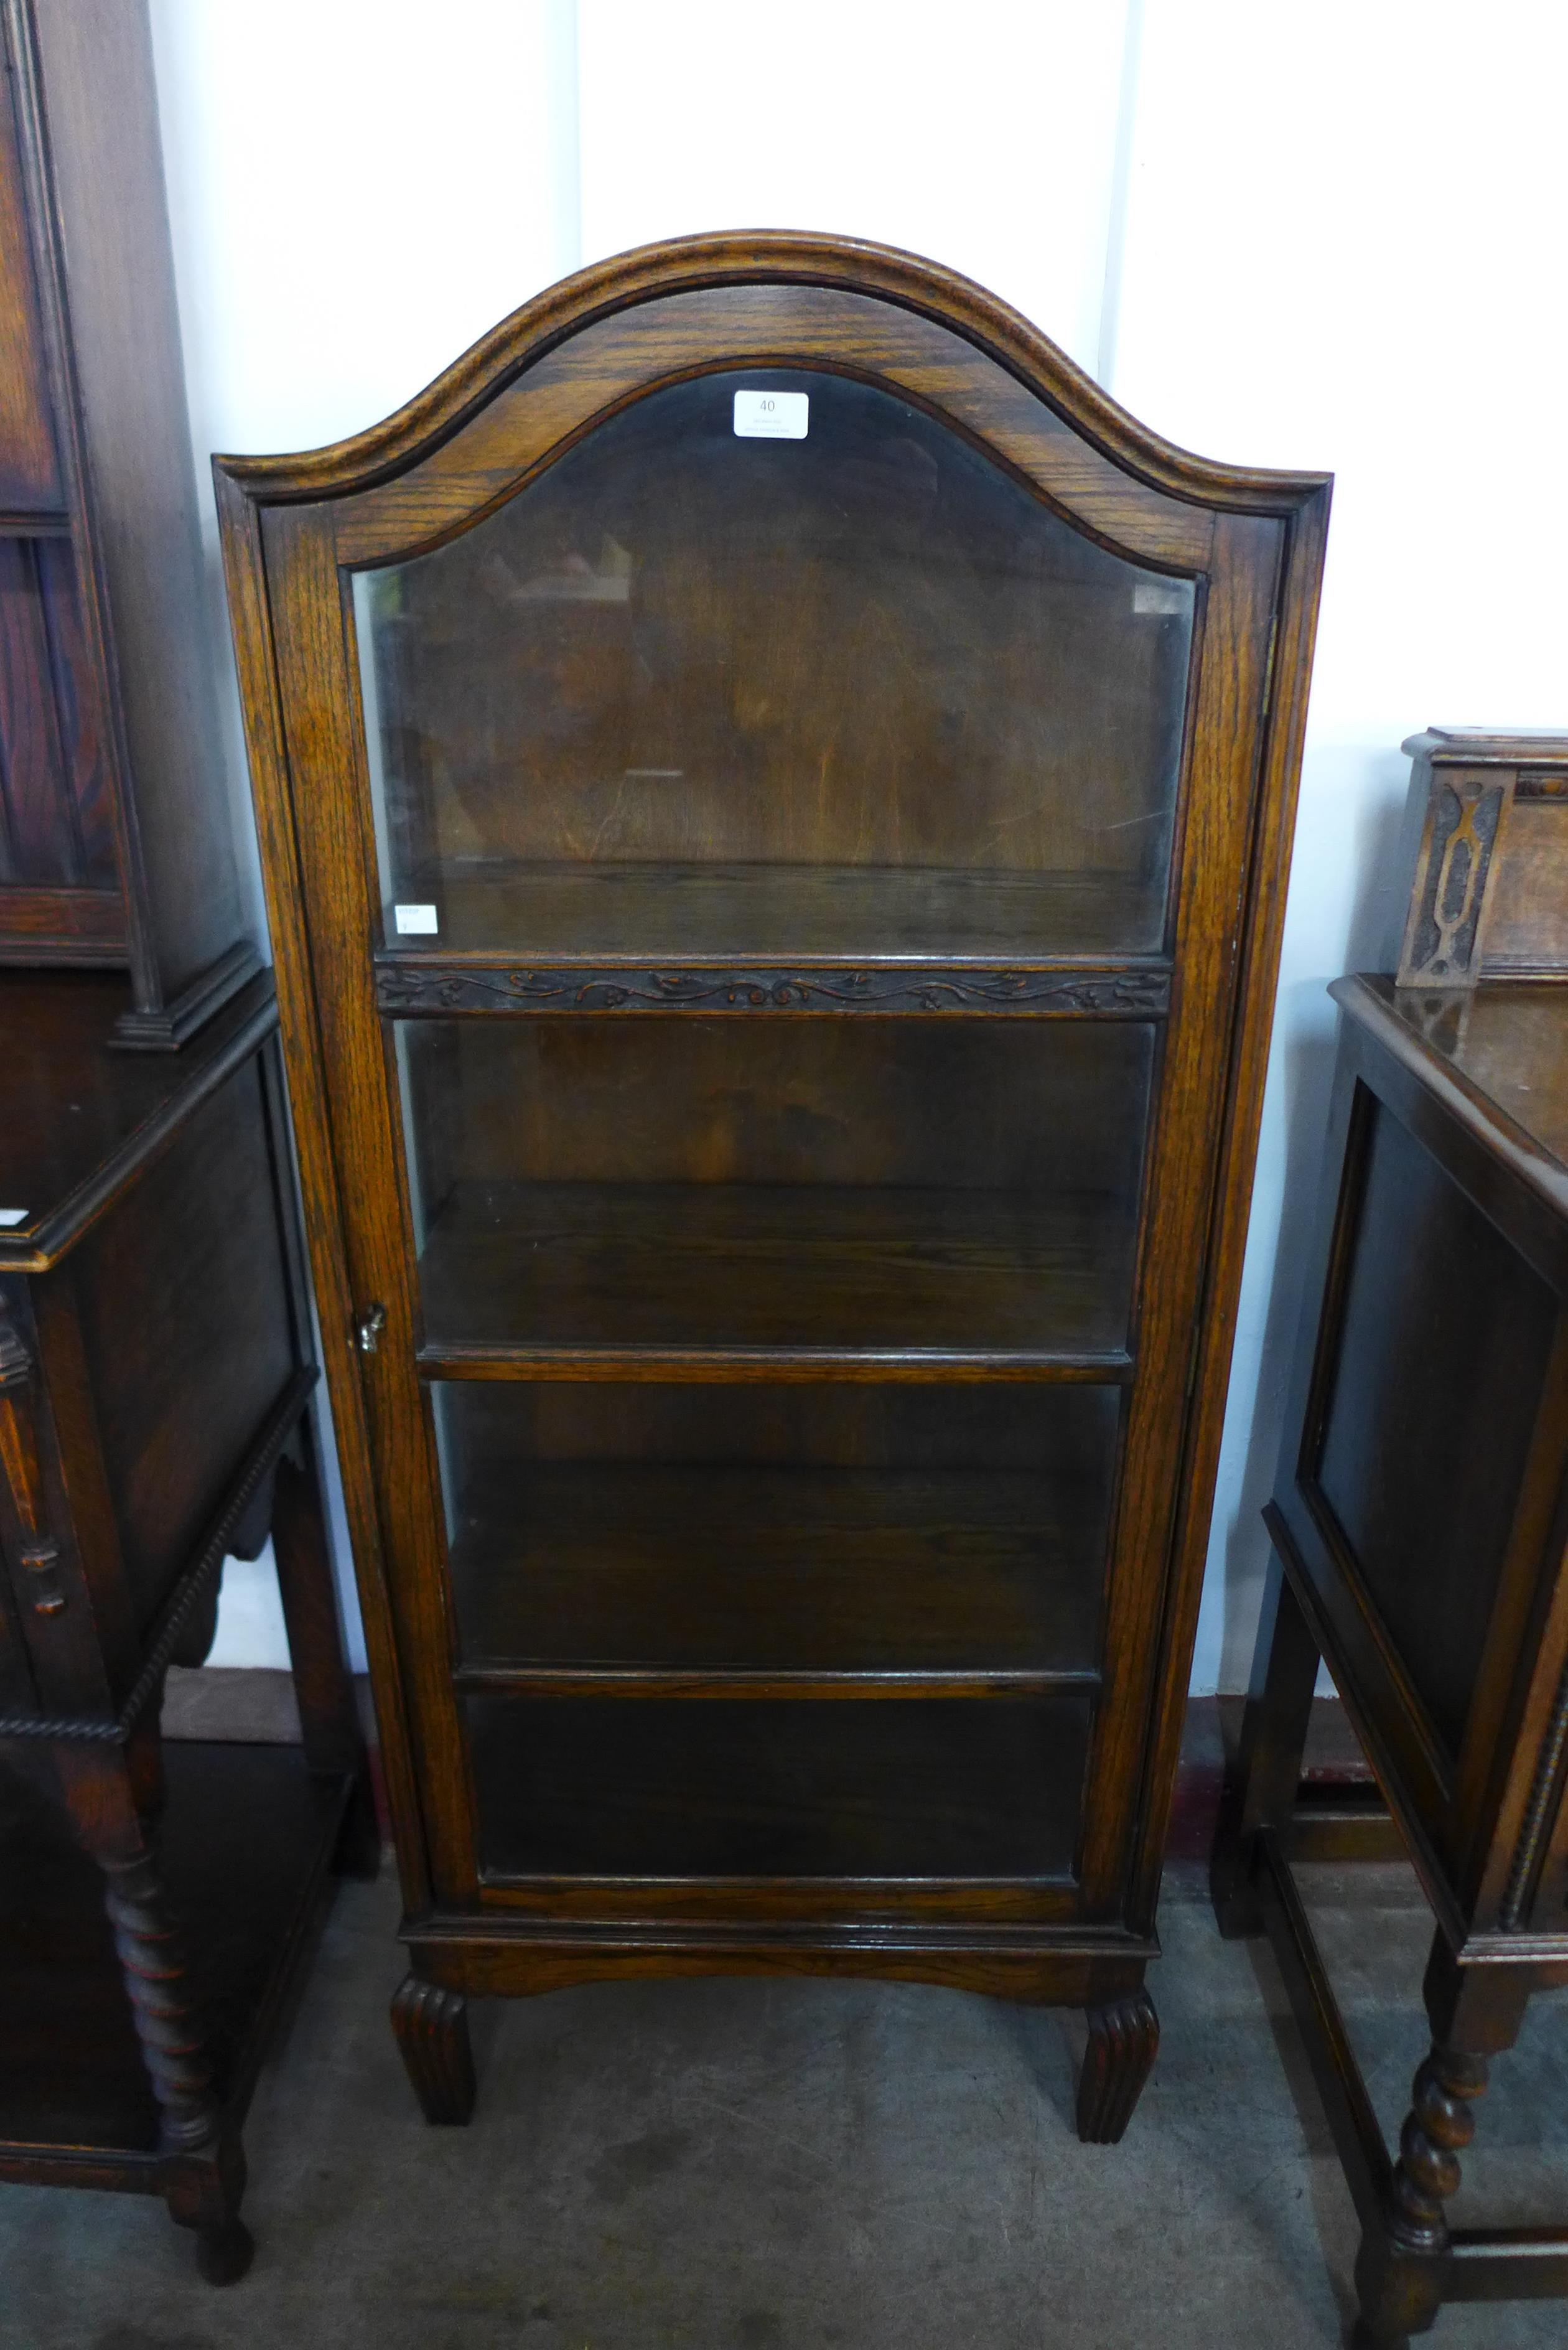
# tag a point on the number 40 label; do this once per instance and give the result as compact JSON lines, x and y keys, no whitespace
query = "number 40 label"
{"x":772,"y":415}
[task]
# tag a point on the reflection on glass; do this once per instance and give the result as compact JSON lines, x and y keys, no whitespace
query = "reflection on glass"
{"x":694,"y":691}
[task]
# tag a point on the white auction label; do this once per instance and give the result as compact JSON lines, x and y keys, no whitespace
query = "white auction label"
{"x":13,"y":1215}
{"x":415,"y":917}
{"x":772,"y":415}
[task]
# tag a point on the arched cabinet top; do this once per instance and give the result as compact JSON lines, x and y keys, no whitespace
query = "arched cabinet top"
{"x":609,"y":336}
{"x":994,"y":651}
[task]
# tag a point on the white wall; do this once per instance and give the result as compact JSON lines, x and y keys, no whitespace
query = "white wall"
{"x":705,"y":115}
{"x":1346,"y":246}
{"x":1313,"y":235}
{"x":358,"y":189}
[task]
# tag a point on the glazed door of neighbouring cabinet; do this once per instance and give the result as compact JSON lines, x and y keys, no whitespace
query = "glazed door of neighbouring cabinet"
{"x":772,"y":802}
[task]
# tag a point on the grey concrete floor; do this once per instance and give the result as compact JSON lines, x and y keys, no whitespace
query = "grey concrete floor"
{"x":757,"y":2166}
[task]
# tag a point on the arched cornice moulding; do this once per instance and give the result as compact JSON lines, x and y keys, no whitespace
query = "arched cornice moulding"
{"x":763,"y":257}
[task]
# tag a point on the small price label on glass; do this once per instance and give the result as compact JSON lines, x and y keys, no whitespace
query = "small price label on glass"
{"x":415,"y":921}
{"x":772,"y":415}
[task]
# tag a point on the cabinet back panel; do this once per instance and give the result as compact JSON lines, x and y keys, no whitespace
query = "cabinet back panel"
{"x":587,"y":1787}
{"x":1064,"y":1432}
{"x":815,"y":1181}
{"x":1045,"y":1105}
{"x":858,"y":1529}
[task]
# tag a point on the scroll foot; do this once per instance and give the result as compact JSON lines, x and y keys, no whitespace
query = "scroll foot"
{"x":432,"y":2026}
{"x":1124,"y":2036}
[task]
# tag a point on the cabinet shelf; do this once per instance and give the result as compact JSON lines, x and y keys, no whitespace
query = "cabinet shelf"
{"x":678,"y":913}
{"x":539,"y":1274}
{"x":656,"y":1579}
{"x":590,"y":1787}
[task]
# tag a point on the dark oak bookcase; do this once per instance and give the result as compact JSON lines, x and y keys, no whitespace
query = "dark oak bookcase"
{"x":775,"y":938}
{"x":117,"y":837}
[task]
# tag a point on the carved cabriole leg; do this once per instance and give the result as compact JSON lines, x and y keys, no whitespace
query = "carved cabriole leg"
{"x":432,"y":2026}
{"x":1123,"y":2038}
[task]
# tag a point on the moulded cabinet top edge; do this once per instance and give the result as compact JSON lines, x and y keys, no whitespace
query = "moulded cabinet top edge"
{"x":1491,"y":1055}
{"x":844,"y":264}
{"x":1482,"y":746}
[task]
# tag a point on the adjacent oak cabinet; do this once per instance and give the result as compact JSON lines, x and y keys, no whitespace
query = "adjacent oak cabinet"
{"x":776,"y":798}
{"x":1420,"y":1511}
{"x":117,"y":831}
{"x":157,"y":1364}
{"x":158,"y":1903}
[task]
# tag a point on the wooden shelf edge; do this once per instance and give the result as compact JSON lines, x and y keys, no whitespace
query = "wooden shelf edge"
{"x":470,"y":1928}
{"x":652,"y":1682}
{"x":500,"y":1880}
{"x":722,"y":1363}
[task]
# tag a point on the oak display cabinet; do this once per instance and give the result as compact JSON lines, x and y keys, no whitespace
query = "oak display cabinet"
{"x":160,"y":1902}
{"x":777,"y":798}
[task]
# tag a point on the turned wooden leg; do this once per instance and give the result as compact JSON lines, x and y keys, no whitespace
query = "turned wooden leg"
{"x":1397,"y":2274}
{"x":1261,"y":1784}
{"x":206,"y":2180}
{"x":1475,"y":2013}
{"x":432,"y":2026}
{"x":152,"y":1962}
{"x":203,"y":2193}
{"x":1124,"y":2037}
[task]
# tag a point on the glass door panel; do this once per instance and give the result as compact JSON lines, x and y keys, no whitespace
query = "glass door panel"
{"x":789,"y":1531}
{"x":693,"y":690}
{"x":807,"y":1787}
{"x":642,"y":1182}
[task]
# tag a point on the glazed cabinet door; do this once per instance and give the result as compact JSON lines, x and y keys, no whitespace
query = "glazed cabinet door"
{"x":771,"y":802}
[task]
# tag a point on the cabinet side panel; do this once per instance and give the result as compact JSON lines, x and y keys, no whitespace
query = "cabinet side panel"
{"x":1442,"y":1347}
{"x":185,"y":1307}
{"x":102,"y":110}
